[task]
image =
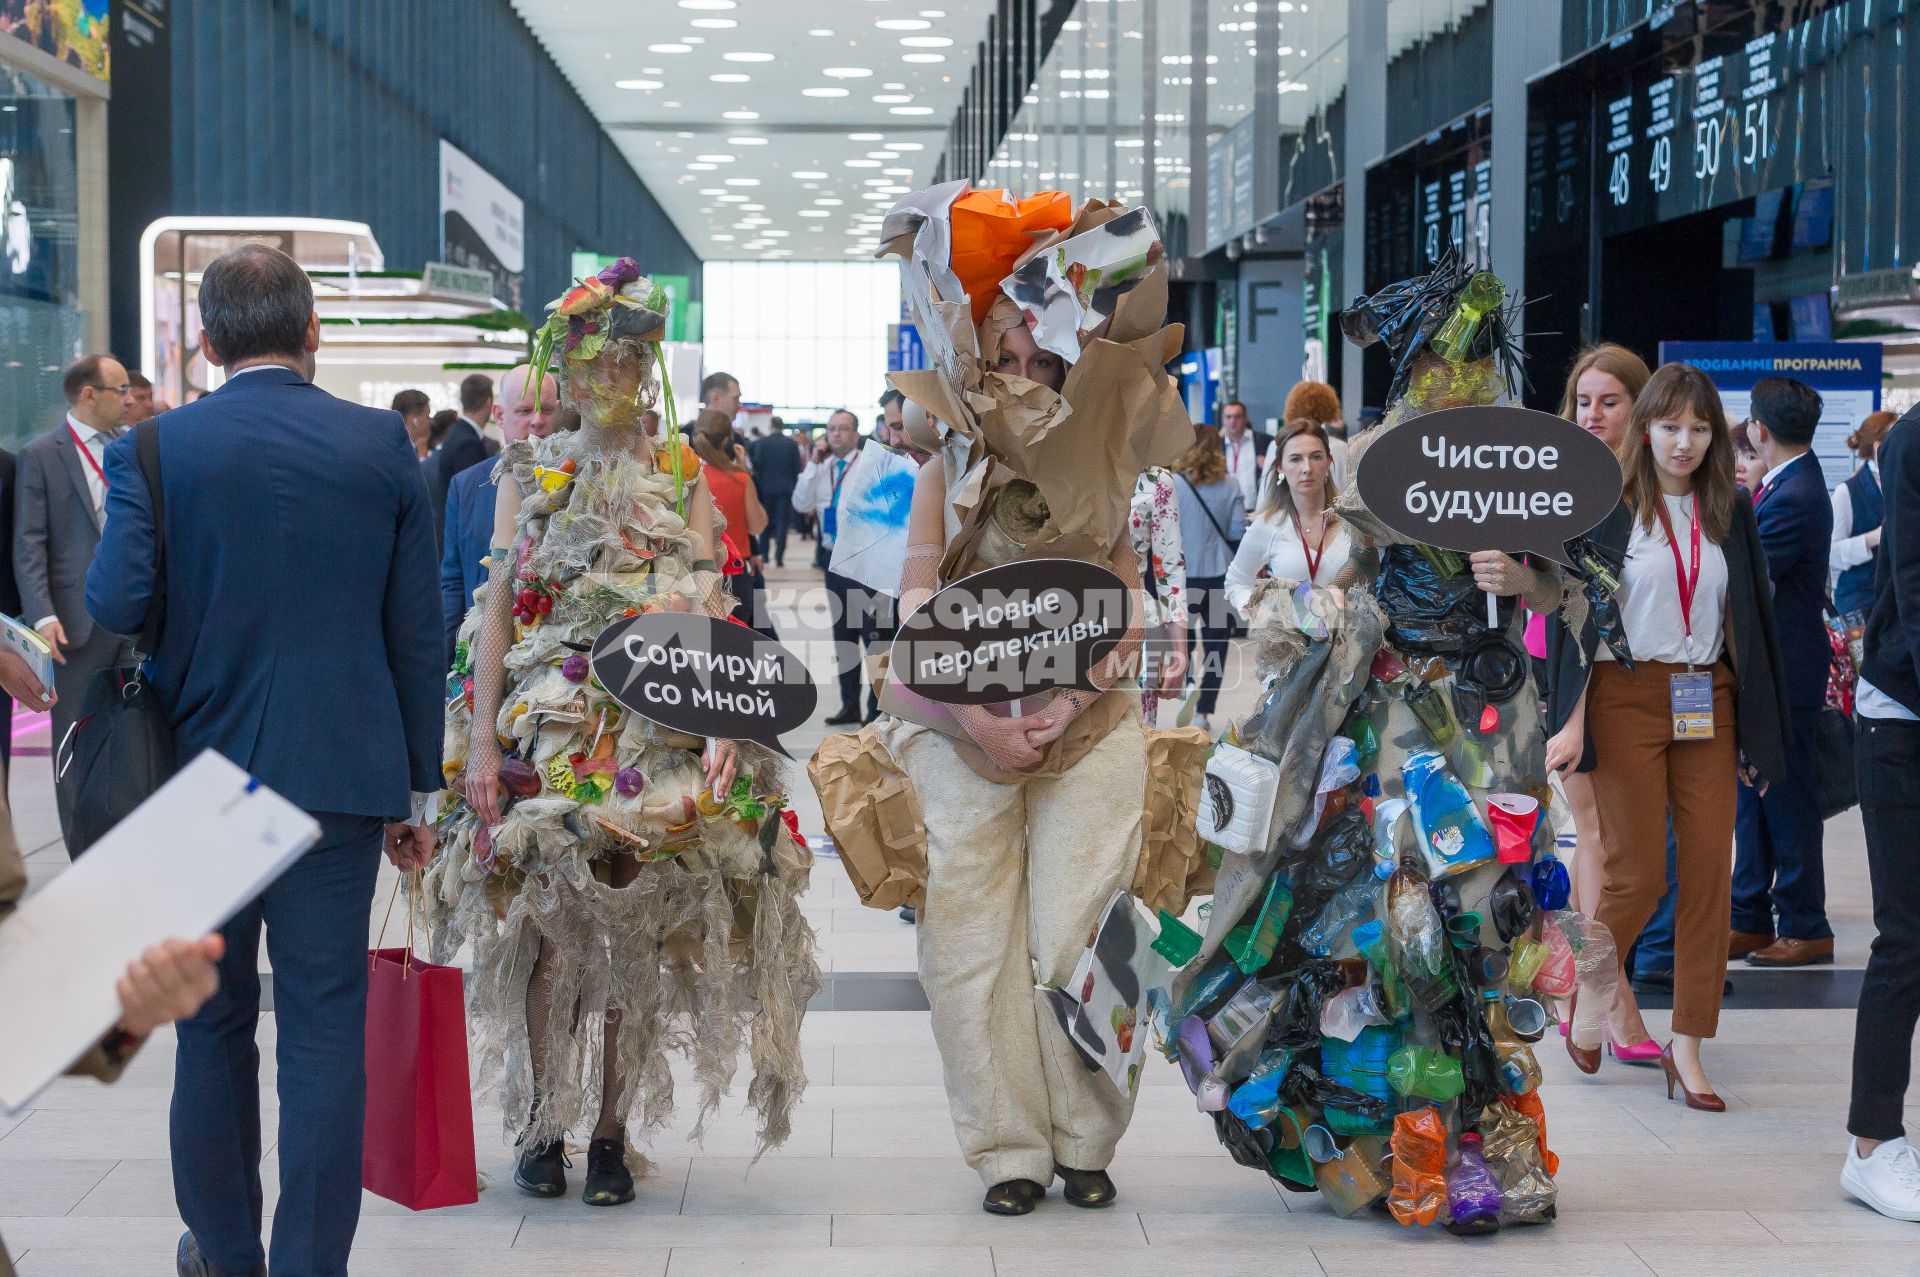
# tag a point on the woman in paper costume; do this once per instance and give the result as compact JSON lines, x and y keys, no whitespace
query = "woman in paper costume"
{"x":628,"y":891}
{"x":1380,"y":958}
{"x":1045,"y":402}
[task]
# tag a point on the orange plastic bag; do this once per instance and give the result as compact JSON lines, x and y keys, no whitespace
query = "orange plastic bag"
{"x":1529,"y":1106}
{"x":992,"y":231}
{"x":1419,"y":1167}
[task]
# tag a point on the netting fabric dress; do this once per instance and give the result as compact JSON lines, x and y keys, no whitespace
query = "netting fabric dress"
{"x":619,"y":911}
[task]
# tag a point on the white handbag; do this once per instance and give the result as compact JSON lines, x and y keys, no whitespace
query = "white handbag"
{"x":1237,"y":800}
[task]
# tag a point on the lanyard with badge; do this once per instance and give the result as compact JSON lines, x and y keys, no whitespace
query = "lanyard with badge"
{"x":86,"y":455}
{"x":1689,"y":694}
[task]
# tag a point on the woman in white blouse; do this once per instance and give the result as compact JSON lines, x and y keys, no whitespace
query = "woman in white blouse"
{"x":1856,"y":520}
{"x":1295,"y":535}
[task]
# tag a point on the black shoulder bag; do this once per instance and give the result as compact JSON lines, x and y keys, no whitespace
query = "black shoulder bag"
{"x":121,"y":750}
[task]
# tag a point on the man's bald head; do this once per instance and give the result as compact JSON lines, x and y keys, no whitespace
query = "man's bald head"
{"x":523,"y":413}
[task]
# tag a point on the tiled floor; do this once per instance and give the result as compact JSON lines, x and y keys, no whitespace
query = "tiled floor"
{"x":872,"y":1182}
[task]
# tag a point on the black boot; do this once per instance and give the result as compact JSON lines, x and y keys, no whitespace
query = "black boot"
{"x":1015,"y":1197}
{"x":609,"y":1182}
{"x":1091,"y":1189}
{"x":541,"y":1169}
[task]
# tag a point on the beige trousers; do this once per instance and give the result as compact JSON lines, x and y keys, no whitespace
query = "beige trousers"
{"x":1017,"y":876}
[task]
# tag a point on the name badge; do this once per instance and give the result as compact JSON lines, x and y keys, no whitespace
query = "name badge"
{"x":1690,"y":695}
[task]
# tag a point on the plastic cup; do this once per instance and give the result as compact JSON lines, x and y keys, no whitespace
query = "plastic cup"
{"x":1527,"y":1018}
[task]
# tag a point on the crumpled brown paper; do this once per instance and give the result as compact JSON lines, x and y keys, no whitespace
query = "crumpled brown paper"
{"x":873,"y":816}
{"x":1173,"y":866}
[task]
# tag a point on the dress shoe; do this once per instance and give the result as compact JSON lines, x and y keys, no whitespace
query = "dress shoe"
{"x":1741,"y":943}
{"x":1091,"y":1189}
{"x":1705,"y":1101}
{"x":609,"y":1182}
{"x":189,"y":1262}
{"x":1585,"y":1058}
{"x":845,"y":718}
{"x":1658,"y":980}
{"x":909,"y":915}
{"x":1647,"y":1053}
{"x":1788,"y":952}
{"x":1014,"y":1197}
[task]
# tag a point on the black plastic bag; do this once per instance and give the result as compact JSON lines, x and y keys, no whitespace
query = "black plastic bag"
{"x":1428,"y":609}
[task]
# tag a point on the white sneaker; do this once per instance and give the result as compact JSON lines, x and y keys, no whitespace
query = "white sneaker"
{"x":1888,"y":1180}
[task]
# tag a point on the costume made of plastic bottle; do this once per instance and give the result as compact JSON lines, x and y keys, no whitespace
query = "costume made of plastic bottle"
{"x":1014,"y":868}
{"x":634,"y":889}
{"x":1359,"y":1015}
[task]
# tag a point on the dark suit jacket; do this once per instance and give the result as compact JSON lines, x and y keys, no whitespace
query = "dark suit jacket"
{"x":9,"y":583}
{"x":1893,"y":627}
{"x":1761,"y":723}
{"x":776,"y":465}
{"x":464,"y":446}
{"x":1796,"y":526}
{"x":468,"y":537}
{"x":55,"y":534}
{"x":301,"y":638}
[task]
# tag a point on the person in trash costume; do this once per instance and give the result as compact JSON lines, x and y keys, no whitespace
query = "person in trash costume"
{"x":1045,"y":400}
{"x":628,"y":891}
{"x":1360,"y":1016}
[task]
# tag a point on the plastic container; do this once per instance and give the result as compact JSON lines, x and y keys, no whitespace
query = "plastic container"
{"x":1251,"y":946}
{"x":1332,"y":931}
{"x":1349,"y":1011}
{"x":1473,"y":1197}
{"x":1451,"y":835}
{"x":1419,"y":1192}
{"x":1427,"y":1073}
{"x":1177,"y":942}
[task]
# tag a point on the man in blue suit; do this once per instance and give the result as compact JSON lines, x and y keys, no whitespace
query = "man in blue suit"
{"x":471,"y":496}
{"x":1779,"y":874}
{"x":302,"y":642}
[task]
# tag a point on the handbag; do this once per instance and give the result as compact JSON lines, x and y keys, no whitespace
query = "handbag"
{"x":121,"y":748}
{"x":1835,"y":786}
{"x":418,"y":1147}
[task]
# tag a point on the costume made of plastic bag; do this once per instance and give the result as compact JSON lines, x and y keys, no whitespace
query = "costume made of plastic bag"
{"x":660,"y":918}
{"x":1358,"y":1017}
{"x":1013,"y":870}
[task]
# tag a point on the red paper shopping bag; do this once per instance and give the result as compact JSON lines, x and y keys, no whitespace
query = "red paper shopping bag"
{"x":419,"y":1137}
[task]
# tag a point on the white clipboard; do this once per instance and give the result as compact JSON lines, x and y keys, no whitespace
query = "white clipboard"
{"x":184,"y":862}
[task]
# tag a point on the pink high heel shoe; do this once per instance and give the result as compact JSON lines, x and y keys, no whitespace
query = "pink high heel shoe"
{"x":1646,"y":1054}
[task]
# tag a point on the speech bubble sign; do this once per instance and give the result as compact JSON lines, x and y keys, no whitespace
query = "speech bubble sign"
{"x":1485,"y":478}
{"x":1012,"y":631}
{"x":705,"y":677}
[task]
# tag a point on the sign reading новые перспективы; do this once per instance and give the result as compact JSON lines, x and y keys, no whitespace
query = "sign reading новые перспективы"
{"x":1013,"y":631}
{"x":704,"y":676}
{"x":1486,"y":478}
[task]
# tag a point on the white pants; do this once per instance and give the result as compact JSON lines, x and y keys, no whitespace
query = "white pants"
{"x":1017,"y":876}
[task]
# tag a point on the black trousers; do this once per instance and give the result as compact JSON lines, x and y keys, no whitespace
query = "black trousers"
{"x":862,"y":618}
{"x":773,"y":542}
{"x":1887,"y":758}
{"x":1208,"y":612}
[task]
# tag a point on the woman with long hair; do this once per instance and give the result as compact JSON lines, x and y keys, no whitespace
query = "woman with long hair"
{"x":1856,"y":519}
{"x":1704,"y":700}
{"x":1213,"y":519}
{"x":1295,"y":535}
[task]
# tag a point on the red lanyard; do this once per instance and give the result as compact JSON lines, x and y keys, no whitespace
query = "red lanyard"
{"x":1233,"y":456}
{"x":86,"y":454}
{"x":1315,"y":554}
{"x":1688,"y":584}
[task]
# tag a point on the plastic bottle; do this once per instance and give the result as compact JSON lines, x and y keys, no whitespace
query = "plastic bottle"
{"x":1419,"y":1167}
{"x":1432,"y":711}
{"x":1473,"y":1196}
{"x":1451,"y":834}
{"x":1349,"y":1011}
{"x":1251,"y":946}
{"x":1370,"y":938}
{"x":1352,"y":904}
{"x":1423,"y":1071}
{"x":1482,"y":295}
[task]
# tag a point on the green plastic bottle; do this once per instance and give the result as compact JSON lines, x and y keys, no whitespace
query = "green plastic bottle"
{"x":1481,"y":297}
{"x":1422,"y":1071}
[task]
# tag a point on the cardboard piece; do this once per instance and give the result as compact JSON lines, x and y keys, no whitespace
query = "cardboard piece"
{"x":873,"y":814}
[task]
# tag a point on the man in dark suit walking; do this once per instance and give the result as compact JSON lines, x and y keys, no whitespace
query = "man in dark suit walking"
{"x":466,"y":443}
{"x":58,"y":510}
{"x":302,"y":642}
{"x":468,"y":517}
{"x":776,"y":472}
{"x":1778,"y":869}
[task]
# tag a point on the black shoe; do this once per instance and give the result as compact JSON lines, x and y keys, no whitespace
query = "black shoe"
{"x":1659,"y":980}
{"x":873,"y":712}
{"x":1015,"y":1197}
{"x":845,"y":718}
{"x":1091,"y":1189}
{"x":542,"y":1171}
{"x":189,"y":1262}
{"x":609,"y":1182}
{"x":908,"y":915}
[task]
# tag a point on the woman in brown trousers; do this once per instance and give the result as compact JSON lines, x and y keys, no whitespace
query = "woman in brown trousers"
{"x":1703,"y":700}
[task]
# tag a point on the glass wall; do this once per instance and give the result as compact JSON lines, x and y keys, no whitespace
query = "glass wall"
{"x":42,"y":321}
{"x":1313,"y":92}
{"x":806,"y":337}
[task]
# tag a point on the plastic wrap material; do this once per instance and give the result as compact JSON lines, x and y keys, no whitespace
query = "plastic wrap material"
{"x":1419,"y":1194}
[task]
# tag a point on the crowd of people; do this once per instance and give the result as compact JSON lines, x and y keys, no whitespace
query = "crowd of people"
{"x":1679,"y":730}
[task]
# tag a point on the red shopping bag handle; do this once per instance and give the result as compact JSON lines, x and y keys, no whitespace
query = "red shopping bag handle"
{"x":412,"y":881}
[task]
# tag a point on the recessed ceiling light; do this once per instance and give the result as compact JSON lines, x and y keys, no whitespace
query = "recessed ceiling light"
{"x":866,"y":137}
{"x":923,"y":57}
{"x":897,"y":172}
{"x":740,"y":115}
{"x":701,"y":167}
{"x":933,"y":13}
{"x":747,"y":57}
{"x":808,"y":175}
{"x":883,"y":155}
{"x":908,"y":146}
{"x":754,"y":208}
{"x":910,"y":110}
{"x":847,"y":73}
{"x":743,"y":181}
{"x":731,"y":198}
{"x":730,"y":77}
{"x":746,"y":139}
{"x":893,"y":88}
{"x":669,"y":48}
{"x":823,"y":93}
{"x":644,"y":86}
{"x":709,"y":6}
{"x":926,"y":41}
{"x":820,"y":31}
{"x":886,"y":99}
{"x":903,"y":24}
{"x":673,"y":106}
{"x":828,"y":201}
{"x":875,"y":195}
{"x":716,"y":158}
{"x":711,"y":191}
{"x":863,"y":163}
{"x":714,"y":24}
{"x":721,"y":239}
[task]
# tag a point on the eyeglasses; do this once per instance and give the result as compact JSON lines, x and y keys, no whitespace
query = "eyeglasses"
{"x":122,"y":391}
